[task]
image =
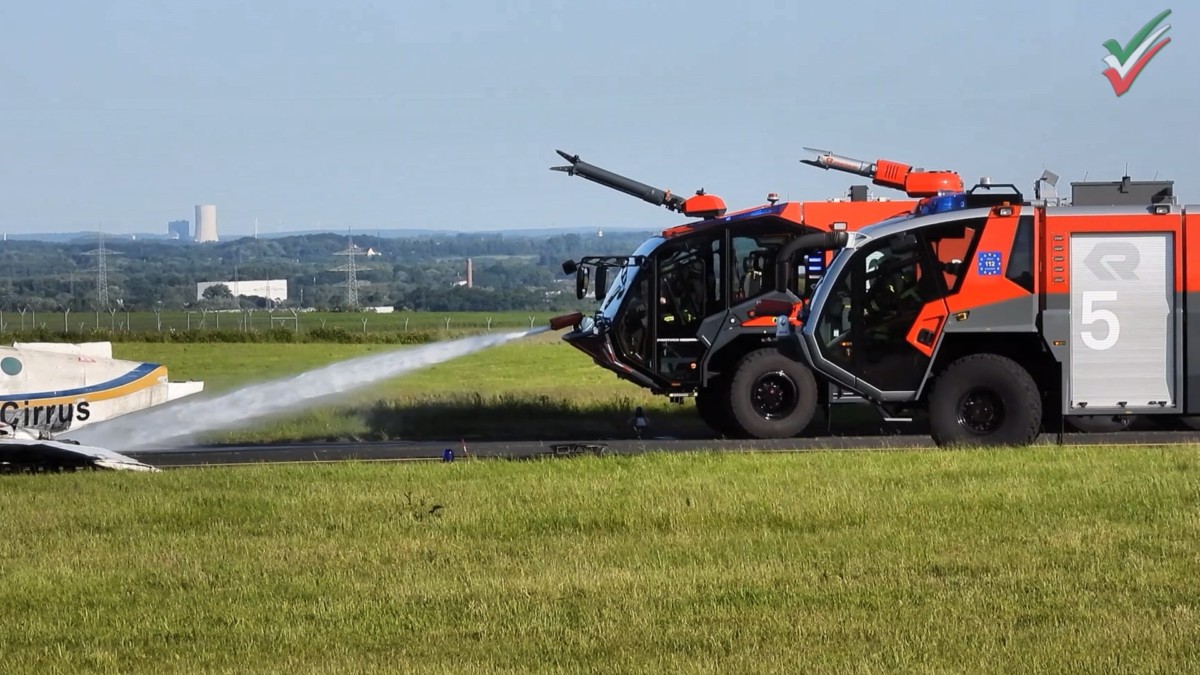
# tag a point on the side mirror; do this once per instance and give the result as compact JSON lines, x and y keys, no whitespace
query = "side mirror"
{"x":601,"y":282}
{"x":569,"y":267}
{"x":581,"y":282}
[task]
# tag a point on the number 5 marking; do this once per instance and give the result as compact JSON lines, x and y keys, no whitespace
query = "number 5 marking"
{"x":1091,"y":315}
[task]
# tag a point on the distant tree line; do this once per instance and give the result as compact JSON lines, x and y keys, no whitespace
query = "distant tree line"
{"x":419,"y":273}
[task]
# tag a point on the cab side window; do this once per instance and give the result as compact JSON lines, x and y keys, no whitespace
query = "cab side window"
{"x":951,"y":248}
{"x":1020,"y":258}
{"x":690,"y":287}
{"x":752,"y":266}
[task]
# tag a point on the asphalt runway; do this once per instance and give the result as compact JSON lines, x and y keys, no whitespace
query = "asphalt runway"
{"x":433,"y":451}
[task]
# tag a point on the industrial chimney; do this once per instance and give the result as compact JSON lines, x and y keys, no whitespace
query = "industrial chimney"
{"x":206,"y":223}
{"x":470,"y":274}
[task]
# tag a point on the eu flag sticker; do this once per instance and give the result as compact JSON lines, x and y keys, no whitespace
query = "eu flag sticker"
{"x":990,"y":263}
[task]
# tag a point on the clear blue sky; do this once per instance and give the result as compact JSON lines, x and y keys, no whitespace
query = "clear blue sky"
{"x":447,"y":114}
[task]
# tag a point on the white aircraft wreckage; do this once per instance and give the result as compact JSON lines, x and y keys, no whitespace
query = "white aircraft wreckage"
{"x":48,"y":388}
{"x":24,"y":451}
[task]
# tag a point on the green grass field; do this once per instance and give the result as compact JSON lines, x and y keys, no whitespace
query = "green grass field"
{"x":537,"y":387}
{"x":1031,"y":560}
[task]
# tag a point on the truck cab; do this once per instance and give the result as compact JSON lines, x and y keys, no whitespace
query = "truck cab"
{"x":683,"y":312}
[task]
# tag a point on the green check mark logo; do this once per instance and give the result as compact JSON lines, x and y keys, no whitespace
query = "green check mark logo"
{"x":1125,"y":63}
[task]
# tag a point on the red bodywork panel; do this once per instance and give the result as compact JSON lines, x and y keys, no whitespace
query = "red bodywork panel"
{"x":816,"y":216}
{"x":1191,"y":280}
{"x":931,"y":318}
{"x":976,"y":289}
{"x":856,"y":215}
{"x":979,"y":289}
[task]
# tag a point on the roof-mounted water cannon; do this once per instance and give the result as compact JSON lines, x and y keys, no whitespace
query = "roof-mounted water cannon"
{"x":700,"y":205}
{"x":914,"y":182}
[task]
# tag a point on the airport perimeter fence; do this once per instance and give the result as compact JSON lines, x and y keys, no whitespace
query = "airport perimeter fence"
{"x":257,"y":326}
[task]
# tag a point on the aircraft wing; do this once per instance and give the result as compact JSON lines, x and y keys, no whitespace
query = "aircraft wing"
{"x":20,"y":455}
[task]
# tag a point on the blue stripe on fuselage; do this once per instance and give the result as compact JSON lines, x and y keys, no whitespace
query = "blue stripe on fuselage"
{"x":133,"y":375}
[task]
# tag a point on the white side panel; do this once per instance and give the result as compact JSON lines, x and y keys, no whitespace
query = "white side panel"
{"x":180,"y":389}
{"x":1122,"y":320}
{"x":96,"y":350}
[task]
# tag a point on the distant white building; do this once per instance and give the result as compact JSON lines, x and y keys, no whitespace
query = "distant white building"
{"x":271,"y":289}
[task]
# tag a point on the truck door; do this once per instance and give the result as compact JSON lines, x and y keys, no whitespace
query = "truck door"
{"x":886,"y":309}
{"x":688,"y":289}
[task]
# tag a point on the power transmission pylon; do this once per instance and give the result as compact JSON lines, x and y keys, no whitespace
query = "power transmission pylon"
{"x":351,"y":269}
{"x":101,"y":254}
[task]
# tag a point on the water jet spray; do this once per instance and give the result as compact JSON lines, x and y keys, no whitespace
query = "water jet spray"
{"x":180,"y":423}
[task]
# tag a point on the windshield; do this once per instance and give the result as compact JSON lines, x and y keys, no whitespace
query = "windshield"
{"x":624,"y":280}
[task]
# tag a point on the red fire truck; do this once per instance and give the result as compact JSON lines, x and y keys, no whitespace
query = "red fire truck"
{"x":997,"y":317}
{"x":681,"y":315}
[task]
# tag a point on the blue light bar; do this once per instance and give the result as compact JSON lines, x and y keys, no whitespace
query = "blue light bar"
{"x":942,"y":204}
{"x":761,"y":211}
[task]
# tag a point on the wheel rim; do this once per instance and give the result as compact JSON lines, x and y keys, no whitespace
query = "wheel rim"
{"x":981,"y":412}
{"x":774,"y":395}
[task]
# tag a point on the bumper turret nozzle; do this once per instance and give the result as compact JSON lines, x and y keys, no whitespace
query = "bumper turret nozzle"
{"x":566,"y":321}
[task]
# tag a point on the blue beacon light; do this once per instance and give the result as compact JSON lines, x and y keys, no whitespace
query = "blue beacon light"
{"x":942,"y":203}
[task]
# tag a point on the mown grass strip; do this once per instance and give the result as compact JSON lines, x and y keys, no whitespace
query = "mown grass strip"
{"x":992,"y":561}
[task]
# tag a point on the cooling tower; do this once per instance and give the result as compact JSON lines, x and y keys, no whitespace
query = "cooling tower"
{"x":206,"y":222}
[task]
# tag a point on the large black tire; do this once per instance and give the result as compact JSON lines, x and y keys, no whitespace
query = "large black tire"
{"x":771,"y":395}
{"x":985,"y":400}
{"x":712,"y":404}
